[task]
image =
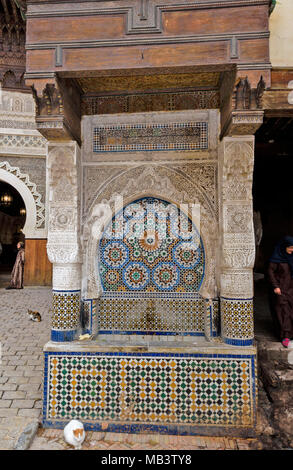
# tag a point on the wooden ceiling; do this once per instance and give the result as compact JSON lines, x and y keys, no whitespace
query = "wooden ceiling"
{"x":102,"y":84}
{"x":13,"y":11}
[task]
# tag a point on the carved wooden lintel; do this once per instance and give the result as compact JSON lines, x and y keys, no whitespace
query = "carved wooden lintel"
{"x":12,"y":44}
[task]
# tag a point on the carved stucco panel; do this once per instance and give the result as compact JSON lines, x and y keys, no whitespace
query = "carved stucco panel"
{"x":63,"y":219}
{"x":62,"y":171}
{"x":237,"y":171}
{"x":64,"y":206}
{"x":237,"y":218}
{"x":94,"y":179}
{"x":205,"y":176}
{"x":237,"y":283}
{"x":238,"y":248}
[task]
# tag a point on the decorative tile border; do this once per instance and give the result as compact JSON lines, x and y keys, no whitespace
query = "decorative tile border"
{"x":63,"y":336}
{"x":159,"y":391}
{"x":150,"y":137}
{"x":151,"y":295}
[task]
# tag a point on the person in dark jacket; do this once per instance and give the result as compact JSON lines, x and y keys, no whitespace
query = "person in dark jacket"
{"x":280,"y":277}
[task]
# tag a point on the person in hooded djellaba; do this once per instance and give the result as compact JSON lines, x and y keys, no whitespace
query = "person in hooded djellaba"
{"x":18,"y":268}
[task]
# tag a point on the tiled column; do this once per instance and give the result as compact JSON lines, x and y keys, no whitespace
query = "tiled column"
{"x":237,"y":254}
{"x":63,"y":238}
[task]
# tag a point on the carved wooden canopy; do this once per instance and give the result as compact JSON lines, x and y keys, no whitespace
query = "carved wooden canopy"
{"x":12,"y":43}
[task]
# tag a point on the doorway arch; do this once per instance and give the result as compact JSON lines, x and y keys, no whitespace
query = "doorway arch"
{"x":39,"y":270}
{"x":32,"y":199}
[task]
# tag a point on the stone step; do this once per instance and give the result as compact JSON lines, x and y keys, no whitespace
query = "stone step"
{"x":275,"y":351}
{"x":285,"y":377}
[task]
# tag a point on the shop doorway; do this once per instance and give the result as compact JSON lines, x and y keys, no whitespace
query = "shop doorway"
{"x":273,"y":205}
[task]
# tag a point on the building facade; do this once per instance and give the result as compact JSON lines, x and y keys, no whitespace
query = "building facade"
{"x":22,"y":153}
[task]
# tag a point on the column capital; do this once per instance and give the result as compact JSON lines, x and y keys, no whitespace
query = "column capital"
{"x":57,"y":109}
{"x":245,"y":115}
{"x":243,"y":122}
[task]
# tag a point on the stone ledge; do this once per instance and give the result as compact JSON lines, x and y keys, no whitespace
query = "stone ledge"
{"x":201,"y":347}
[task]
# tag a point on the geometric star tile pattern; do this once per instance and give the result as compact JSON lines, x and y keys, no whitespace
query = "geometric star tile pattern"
{"x":151,"y":246}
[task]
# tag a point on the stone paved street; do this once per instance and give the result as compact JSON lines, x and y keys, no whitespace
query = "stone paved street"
{"x":21,"y":365}
{"x":53,"y":440}
{"x":21,"y":386}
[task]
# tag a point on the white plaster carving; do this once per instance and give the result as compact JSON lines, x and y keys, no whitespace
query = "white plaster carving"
{"x":62,"y":174}
{"x":237,"y":284}
{"x":238,"y":257}
{"x":237,"y":218}
{"x":35,"y":208}
{"x":63,"y":254}
{"x":235,"y":240}
{"x":22,"y":142}
{"x":237,"y":169}
{"x":63,"y":245}
{"x":66,"y":277}
{"x":18,"y":103}
{"x":238,"y":248}
{"x":62,"y":219}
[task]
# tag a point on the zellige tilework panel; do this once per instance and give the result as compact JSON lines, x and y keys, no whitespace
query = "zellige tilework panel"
{"x":152,"y":315}
{"x":151,"y":137}
{"x":151,"y":246}
{"x":156,"y":388}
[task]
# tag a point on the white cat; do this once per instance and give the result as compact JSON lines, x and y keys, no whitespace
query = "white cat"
{"x":74,"y":433}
